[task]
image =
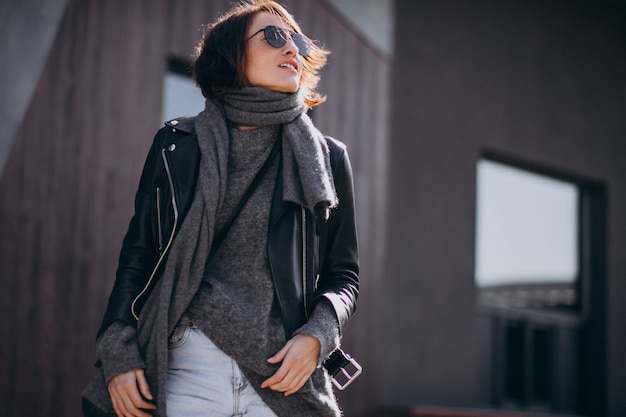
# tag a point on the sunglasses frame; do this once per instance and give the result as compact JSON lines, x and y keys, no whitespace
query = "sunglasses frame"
{"x":278,"y":38}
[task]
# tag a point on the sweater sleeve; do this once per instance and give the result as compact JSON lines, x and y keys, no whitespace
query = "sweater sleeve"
{"x":324,"y":326}
{"x":117,"y":350}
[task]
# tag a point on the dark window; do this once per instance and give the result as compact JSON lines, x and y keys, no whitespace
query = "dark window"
{"x":539,"y":274}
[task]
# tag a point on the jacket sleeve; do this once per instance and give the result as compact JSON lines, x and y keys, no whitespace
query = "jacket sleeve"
{"x":139,"y":251}
{"x":339,"y":264}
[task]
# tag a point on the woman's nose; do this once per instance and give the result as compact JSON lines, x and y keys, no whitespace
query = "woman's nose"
{"x":290,"y":47}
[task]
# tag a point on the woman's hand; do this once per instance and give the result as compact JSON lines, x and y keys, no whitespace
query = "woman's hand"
{"x":299,"y":358}
{"x":129,"y":392}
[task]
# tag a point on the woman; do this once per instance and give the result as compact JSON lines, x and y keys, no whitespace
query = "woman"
{"x":239,"y":270}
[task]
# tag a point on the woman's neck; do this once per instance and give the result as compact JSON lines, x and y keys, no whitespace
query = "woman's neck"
{"x":240,"y":127}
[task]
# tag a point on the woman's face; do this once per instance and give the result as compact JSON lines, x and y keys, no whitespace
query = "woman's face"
{"x":276,"y":69}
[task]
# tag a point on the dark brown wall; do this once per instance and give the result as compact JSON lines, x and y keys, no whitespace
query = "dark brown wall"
{"x":67,"y":189}
{"x":541,"y":82}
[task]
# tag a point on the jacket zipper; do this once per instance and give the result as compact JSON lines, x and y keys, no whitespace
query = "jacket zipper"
{"x":158,"y":207}
{"x":169,"y":242}
{"x":304,"y":263}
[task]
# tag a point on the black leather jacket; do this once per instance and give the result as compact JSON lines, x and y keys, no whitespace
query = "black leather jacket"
{"x":309,"y":257}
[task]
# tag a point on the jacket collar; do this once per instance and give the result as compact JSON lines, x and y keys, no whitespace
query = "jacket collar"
{"x":185,"y":124}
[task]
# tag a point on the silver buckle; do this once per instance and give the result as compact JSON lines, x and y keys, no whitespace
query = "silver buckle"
{"x":347,"y":374}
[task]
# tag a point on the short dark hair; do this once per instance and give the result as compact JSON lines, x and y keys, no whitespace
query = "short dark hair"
{"x":219,"y":65}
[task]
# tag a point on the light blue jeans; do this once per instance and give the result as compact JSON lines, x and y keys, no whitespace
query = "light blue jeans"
{"x":204,"y":381}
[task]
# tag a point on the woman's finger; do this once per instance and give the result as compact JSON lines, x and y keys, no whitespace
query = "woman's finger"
{"x":126,"y":397}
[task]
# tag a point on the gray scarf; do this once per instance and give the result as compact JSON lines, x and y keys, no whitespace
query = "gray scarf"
{"x":306,"y":162}
{"x":307,"y":181}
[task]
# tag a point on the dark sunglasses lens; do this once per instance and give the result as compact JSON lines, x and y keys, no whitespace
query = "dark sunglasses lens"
{"x":274,"y":36}
{"x":302,"y":43}
{"x":277,"y":38}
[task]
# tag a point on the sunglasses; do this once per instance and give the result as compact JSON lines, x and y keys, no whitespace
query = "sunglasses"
{"x":278,"y":37}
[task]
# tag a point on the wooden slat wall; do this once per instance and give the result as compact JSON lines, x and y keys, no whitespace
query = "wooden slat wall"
{"x":67,"y":190}
{"x":66,"y":195}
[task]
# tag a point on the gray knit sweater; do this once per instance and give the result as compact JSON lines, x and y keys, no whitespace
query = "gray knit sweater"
{"x":235,"y":306}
